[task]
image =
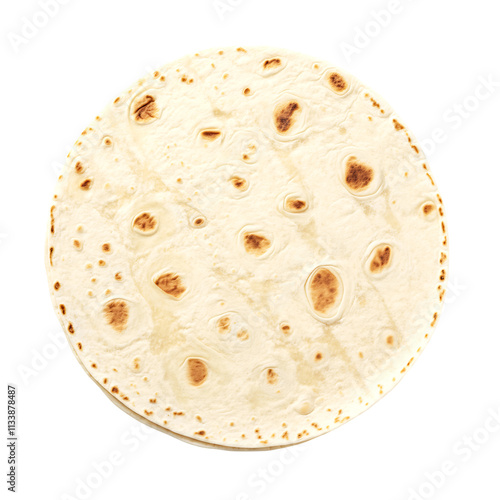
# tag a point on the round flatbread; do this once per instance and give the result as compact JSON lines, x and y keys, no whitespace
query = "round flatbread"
{"x":246,"y":249}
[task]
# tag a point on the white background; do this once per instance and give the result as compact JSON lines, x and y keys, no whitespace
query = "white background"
{"x":428,"y":59}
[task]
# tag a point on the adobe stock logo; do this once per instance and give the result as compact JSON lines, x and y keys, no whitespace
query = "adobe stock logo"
{"x":380,"y":20}
{"x":460,"y":112}
{"x":222,"y":7}
{"x":464,"y":449}
{"x":264,"y":478}
{"x":38,"y":20}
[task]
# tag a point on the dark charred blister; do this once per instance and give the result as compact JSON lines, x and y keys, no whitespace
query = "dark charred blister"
{"x":285,"y":116}
{"x":337,"y":82}
{"x":323,"y":290}
{"x":358,"y":176}
{"x":116,"y":314}
{"x":381,"y":259}
{"x":197,"y":371}
{"x":145,"y":109}
{"x":256,"y":244}
{"x":171,"y":284}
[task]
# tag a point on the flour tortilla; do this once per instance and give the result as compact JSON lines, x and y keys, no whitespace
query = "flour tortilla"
{"x":246,"y":249}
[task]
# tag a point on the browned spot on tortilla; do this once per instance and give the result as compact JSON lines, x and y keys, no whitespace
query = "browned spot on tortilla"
{"x":241,"y":49}
{"x":256,"y":244}
{"x":115,"y":389}
{"x":57,"y":285}
{"x":86,"y":184}
{"x":271,"y":63}
{"x":242,"y":334}
{"x":272,"y":376}
{"x":93,"y":365}
{"x":118,"y":276}
{"x":200,"y":433}
{"x":116,"y":314}
{"x":318,"y":356}
{"x":199,"y":221}
{"x":51,"y":252}
{"x":245,"y":157}
{"x":443,"y":258}
{"x":210,"y":135}
{"x":79,"y":167}
{"x":285,"y":328}
{"x":102,"y":263}
{"x":137,"y":365}
{"x":285,"y":435}
{"x":239,"y":183}
{"x":145,"y":222}
{"x":71,"y":329}
{"x":77,"y":244}
{"x":152,"y":400}
{"x":171,"y":284}
{"x":415,"y":148}
{"x":197,"y":371}
{"x":390,"y":340}
{"x":375,"y":104}
{"x":358,"y":176}
{"x":337,"y":82}
{"x":323,"y":290}
{"x":105,"y":381}
{"x":146,"y":109}
{"x":106,"y":247}
{"x":295,"y":205}
{"x":246,"y":91}
{"x":284,"y":116}
{"x":224,"y":324}
{"x":442,"y":276}
{"x":62,"y":307}
{"x":381,"y":259}
{"x":397,"y":125}
{"x":52,"y":226}
{"x":79,"y":344}
{"x":428,"y":208}
{"x":360,"y":354}
{"x":443,"y":227}
{"x":430,"y":178}
{"x":434,"y":319}
{"x":148,"y":413}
